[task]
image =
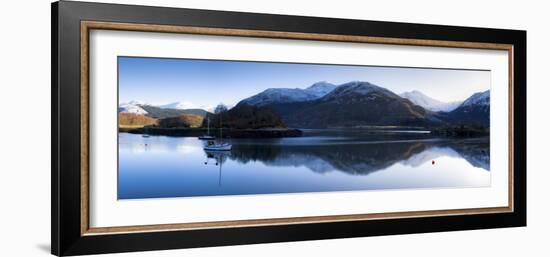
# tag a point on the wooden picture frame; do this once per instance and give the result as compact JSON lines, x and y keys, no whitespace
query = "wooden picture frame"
{"x":71,"y":25}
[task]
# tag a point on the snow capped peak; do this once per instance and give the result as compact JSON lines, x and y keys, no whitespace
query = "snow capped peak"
{"x":357,"y":87}
{"x":320,"y":88}
{"x":279,"y":95}
{"x":360,"y":85}
{"x":289,"y":95}
{"x":481,"y":98}
{"x":132,"y":107}
{"x":429,"y":103}
{"x":358,"y":91}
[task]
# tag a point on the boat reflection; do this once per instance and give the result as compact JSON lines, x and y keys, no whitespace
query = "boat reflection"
{"x":216,"y":158}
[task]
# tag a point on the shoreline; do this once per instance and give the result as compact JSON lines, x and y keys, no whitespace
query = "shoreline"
{"x":291,"y":132}
{"x":196,"y":132}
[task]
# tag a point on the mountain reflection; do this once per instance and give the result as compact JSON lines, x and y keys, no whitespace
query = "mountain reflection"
{"x":476,"y":154}
{"x":158,"y":166}
{"x":361,"y":159}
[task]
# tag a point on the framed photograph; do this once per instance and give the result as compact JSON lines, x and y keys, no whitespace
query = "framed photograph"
{"x":177,"y":128}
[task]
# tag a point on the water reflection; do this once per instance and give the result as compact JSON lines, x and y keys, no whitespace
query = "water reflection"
{"x":361,"y":158}
{"x":175,"y":167}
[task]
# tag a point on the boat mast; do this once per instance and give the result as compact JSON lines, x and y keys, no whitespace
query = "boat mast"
{"x":221,"y":129}
{"x":220,"y":173}
{"x":208,"y":126}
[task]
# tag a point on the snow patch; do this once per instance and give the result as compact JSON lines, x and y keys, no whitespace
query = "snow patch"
{"x":289,"y":95}
{"x":132,"y":107}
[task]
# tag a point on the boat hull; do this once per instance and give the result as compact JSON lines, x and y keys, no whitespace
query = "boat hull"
{"x":206,"y":138}
{"x":225,"y":147}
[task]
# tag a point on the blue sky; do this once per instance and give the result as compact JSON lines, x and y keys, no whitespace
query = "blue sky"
{"x":206,"y":83}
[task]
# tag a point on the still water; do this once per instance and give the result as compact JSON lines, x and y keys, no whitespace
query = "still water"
{"x":320,"y":161}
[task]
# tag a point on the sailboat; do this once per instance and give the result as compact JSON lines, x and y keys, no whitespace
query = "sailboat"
{"x":207,"y":136}
{"x":212,"y":145}
{"x":217,"y":145}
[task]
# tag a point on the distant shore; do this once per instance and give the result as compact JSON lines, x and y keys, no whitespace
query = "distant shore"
{"x":234,"y":133}
{"x":447,"y":131}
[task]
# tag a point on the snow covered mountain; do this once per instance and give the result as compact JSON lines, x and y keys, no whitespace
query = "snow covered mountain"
{"x":356,"y":103}
{"x":132,"y":107}
{"x":481,"y":99}
{"x":429,"y":103}
{"x":289,"y":95}
{"x":160,"y":111}
{"x":279,"y":95}
{"x":475,"y":109}
{"x":358,"y":91}
{"x":320,"y":89}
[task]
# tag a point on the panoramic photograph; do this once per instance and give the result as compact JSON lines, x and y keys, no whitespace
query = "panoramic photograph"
{"x":192,"y":127}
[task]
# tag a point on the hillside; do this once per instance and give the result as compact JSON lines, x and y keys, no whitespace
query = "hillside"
{"x":359,"y":103}
{"x":161,"y":113}
{"x":356,"y":104}
{"x":182,"y":121}
{"x":246,"y":116}
{"x":474,"y":110}
{"x":132,"y":120}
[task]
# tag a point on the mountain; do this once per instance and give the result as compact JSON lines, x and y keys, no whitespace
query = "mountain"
{"x":324,"y":105}
{"x":480,"y":99}
{"x":159,"y":112}
{"x":429,"y":103}
{"x":356,"y":103}
{"x":289,"y":95}
{"x":132,"y":107}
{"x":474,"y":110}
